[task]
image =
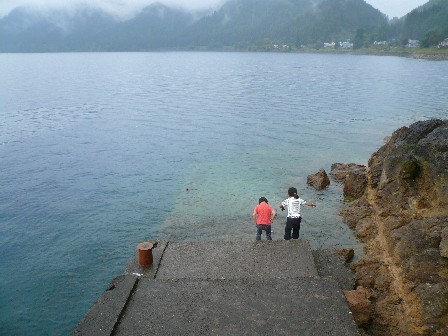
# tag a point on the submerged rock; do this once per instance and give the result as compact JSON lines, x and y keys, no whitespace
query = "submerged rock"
{"x":402,"y":219}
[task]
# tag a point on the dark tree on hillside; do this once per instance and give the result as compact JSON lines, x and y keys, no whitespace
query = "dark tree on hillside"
{"x":432,"y":38}
{"x":358,"y":41}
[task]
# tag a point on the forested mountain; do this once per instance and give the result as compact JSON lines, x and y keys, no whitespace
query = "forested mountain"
{"x":428,"y":23}
{"x":238,"y":24}
{"x":336,"y":20}
{"x":156,"y":27}
{"x":246,"y":23}
{"x":243,"y":23}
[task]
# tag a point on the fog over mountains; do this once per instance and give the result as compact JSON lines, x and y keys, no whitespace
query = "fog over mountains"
{"x":236,"y":25}
{"x":122,"y":10}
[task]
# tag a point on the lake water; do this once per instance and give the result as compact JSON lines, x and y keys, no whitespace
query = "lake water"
{"x":100,"y":151}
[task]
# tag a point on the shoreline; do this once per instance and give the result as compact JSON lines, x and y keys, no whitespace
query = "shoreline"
{"x":417,"y":54}
{"x":422,"y":54}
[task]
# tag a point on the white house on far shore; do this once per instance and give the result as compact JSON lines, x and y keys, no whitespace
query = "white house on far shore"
{"x":443,"y":44}
{"x":346,"y":45}
{"x":413,"y":44}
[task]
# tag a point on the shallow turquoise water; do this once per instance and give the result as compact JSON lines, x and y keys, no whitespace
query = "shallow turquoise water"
{"x":99,"y":151}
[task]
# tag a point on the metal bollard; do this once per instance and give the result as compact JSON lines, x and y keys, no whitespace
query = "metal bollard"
{"x":145,"y":254}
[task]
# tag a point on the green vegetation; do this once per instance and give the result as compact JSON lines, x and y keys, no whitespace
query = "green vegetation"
{"x":254,"y":25}
{"x":428,"y":24}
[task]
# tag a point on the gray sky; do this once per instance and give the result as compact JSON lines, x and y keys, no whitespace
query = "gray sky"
{"x":128,"y":7}
{"x":397,"y":8}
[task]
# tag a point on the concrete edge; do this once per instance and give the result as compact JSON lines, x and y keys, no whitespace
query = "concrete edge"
{"x":103,"y":316}
{"x":330,"y":263}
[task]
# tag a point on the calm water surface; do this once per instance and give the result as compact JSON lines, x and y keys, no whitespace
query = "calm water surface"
{"x":101,"y":151}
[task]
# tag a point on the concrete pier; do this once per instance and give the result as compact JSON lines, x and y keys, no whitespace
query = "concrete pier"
{"x":224,"y":288}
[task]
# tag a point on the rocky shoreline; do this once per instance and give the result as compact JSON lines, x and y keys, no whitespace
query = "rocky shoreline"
{"x":430,"y":57}
{"x":423,"y":55}
{"x":398,"y":209}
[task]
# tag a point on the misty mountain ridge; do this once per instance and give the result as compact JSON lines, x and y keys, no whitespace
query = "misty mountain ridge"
{"x":239,"y":24}
{"x":430,"y":4}
{"x":22,"y":18}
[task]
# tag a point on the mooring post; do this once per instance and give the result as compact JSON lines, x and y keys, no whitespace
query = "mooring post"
{"x":145,"y":254}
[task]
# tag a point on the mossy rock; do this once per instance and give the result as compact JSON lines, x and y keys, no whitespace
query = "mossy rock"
{"x":410,"y":169}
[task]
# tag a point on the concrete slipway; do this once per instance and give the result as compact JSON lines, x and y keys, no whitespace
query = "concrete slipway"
{"x":226,"y":288}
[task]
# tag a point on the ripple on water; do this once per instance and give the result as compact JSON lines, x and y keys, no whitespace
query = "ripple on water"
{"x":97,"y":152}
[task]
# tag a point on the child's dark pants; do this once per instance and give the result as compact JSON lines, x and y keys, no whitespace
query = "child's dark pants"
{"x":292,"y":224}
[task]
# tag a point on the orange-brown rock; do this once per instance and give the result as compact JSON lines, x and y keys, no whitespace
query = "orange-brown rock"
{"x":319,"y":180}
{"x":339,"y":171}
{"x":347,"y":254}
{"x":402,"y":219}
{"x":354,"y":177}
{"x":359,"y":304}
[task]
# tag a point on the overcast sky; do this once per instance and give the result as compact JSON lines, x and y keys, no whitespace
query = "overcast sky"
{"x":397,"y":8}
{"x":391,"y":8}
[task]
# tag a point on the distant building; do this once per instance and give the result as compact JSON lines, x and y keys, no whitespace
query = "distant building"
{"x":380,"y":43}
{"x":413,"y":44}
{"x":443,"y":44}
{"x":346,"y":45}
{"x":283,"y":47}
{"x":329,"y":45}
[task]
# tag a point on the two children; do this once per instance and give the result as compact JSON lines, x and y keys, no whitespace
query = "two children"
{"x":264,"y":215}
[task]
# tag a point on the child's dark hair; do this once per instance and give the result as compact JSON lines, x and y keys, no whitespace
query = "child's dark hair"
{"x":293,"y":192}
